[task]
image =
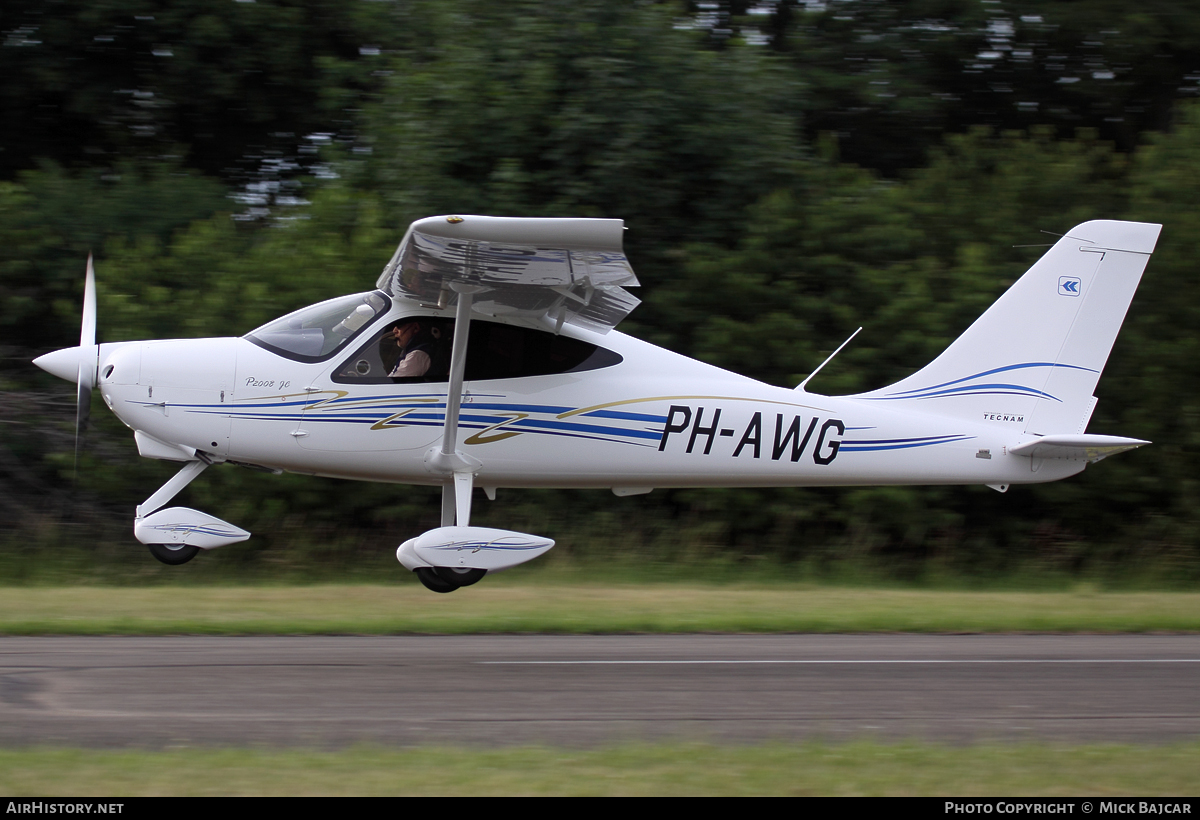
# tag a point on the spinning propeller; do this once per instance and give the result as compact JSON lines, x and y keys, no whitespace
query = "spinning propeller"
{"x":89,"y":359}
{"x":79,"y":364}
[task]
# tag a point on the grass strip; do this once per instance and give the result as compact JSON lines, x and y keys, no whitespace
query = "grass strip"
{"x":578,"y":609}
{"x":798,"y":769}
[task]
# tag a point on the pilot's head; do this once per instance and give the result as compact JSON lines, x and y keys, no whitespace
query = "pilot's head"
{"x":405,"y":333}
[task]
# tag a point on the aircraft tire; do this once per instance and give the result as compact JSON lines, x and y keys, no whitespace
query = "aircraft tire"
{"x":460,"y":576}
{"x":433,"y":581}
{"x":173,"y":554}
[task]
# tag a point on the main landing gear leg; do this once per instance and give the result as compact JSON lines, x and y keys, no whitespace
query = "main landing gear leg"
{"x":456,"y":509}
{"x":456,"y":541}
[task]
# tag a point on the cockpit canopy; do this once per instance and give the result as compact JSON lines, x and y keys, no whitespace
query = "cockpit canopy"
{"x":316,"y":332}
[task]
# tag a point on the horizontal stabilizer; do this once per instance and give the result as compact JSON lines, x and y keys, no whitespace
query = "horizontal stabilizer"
{"x":1076,"y":448}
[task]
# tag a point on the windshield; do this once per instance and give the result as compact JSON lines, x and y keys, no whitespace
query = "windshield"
{"x":318,"y":331}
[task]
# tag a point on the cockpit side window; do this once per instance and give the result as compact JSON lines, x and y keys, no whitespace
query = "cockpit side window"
{"x":317,"y":332}
{"x":417,"y":349}
{"x":413,"y":349}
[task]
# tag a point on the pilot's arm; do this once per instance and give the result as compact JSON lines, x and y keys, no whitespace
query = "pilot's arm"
{"x":415,"y":363}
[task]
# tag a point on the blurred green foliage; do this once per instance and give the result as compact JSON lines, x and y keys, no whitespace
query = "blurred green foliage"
{"x":221,"y":85}
{"x":759,"y":244}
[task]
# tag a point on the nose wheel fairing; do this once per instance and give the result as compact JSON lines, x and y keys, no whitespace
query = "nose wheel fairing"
{"x":185,"y":526}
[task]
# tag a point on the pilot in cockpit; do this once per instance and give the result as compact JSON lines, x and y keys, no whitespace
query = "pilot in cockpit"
{"x":418,"y":344}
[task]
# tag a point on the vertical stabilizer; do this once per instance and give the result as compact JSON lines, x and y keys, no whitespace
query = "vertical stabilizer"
{"x":1032,"y":360}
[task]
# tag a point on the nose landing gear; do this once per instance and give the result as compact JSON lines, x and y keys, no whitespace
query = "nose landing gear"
{"x":177,"y":534}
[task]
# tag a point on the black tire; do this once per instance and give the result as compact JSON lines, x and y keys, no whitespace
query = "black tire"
{"x":460,"y":576}
{"x":173,"y":554}
{"x":433,"y":581}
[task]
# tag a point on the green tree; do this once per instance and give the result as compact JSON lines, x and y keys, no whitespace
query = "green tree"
{"x":229,"y":84}
{"x":915,"y":262}
{"x":50,"y":220}
{"x":890,"y":79}
{"x":584,"y":108}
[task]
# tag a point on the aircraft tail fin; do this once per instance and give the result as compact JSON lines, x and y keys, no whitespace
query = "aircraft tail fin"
{"x":1033,"y":358}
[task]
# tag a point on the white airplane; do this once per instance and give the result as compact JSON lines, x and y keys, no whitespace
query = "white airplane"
{"x":485,"y":357}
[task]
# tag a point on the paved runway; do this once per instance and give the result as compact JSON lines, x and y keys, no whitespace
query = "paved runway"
{"x":330,"y":691}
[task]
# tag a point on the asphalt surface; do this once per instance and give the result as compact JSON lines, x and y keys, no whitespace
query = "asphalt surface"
{"x":328,"y":692}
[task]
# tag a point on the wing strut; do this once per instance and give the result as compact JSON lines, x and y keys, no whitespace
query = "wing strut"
{"x":457,"y":554}
{"x":449,"y":459}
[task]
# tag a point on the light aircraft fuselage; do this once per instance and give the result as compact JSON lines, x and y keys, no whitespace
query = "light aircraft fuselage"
{"x":650,"y":418}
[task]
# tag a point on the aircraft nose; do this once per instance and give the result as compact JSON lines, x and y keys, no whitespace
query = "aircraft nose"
{"x":62,"y":363}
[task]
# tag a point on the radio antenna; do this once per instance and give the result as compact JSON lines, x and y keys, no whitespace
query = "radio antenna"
{"x":800,"y":387}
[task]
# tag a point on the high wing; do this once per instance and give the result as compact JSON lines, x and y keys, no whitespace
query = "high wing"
{"x":570,"y":271}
